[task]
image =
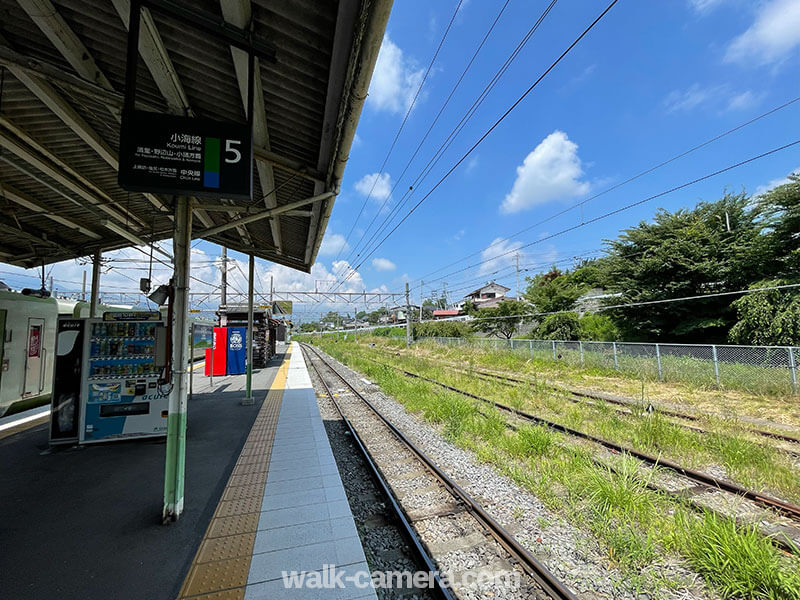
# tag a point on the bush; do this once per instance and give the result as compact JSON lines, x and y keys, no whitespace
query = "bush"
{"x":598,"y":328}
{"x":562,"y":326}
{"x":442,"y":329}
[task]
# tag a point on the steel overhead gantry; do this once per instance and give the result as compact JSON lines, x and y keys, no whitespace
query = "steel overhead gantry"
{"x":62,"y":100}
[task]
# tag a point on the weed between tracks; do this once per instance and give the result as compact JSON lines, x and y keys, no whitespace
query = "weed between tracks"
{"x":728,"y":446}
{"x":634,"y":524}
{"x":778,"y":407}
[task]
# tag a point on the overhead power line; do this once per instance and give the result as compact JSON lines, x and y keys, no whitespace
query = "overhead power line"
{"x":490,"y":130}
{"x":633,"y":204}
{"x":441,"y":110}
{"x":402,"y":125}
{"x":618,"y":185}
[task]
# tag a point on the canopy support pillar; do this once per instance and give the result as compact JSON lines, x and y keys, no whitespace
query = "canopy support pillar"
{"x":174,"y":470}
{"x":95,"y":284}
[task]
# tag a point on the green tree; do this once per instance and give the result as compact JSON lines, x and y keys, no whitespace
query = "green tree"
{"x":501,"y":321}
{"x":779,"y":211}
{"x":598,"y":328}
{"x":715,"y":247}
{"x":553,"y":291}
{"x":561,"y":326}
{"x":768,"y":318}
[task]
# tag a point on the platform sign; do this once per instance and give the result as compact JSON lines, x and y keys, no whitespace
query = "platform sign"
{"x":182,"y":155}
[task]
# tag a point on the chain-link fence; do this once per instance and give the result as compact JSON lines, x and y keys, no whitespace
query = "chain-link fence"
{"x":760,"y":369}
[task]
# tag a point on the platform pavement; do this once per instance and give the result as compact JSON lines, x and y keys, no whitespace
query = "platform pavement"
{"x":85,"y":523}
{"x":302,"y":520}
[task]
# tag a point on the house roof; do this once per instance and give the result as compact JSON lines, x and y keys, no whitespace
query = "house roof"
{"x":490,"y":284}
{"x":63,"y":92}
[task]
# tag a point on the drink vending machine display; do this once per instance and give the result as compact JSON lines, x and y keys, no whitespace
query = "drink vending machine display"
{"x":121,"y":396}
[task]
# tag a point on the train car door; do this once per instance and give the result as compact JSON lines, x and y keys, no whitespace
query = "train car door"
{"x":34,"y":358}
{"x":3,"y":363}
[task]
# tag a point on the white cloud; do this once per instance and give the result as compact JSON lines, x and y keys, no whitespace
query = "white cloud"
{"x":744,"y":101}
{"x":333,"y":243}
{"x":551,"y":172}
{"x":383,"y":264}
{"x":705,"y":6}
{"x":378,"y":186}
{"x":715,"y":97}
{"x":395,"y":80}
{"x":772,"y":36}
{"x":762,"y":189}
{"x":500,"y":253}
{"x":691,"y":98}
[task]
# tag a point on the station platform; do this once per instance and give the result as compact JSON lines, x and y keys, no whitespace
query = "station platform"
{"x":284,"y":514}
{"x":263,"y":497}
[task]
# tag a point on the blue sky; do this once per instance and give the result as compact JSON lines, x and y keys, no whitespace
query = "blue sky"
{"x":651,"y":80}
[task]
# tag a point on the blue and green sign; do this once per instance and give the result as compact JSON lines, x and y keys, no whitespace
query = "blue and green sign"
{"x":166,"y":154}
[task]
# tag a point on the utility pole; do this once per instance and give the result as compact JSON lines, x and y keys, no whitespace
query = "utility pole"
{"x":223,"y":300}
{"x":355,"y":324}
{"x":408,"y":318}
{"x":444,"y":293}
{"x":516,"y":256}
{"x":83,"y":287}
{"x":271,"y":290}
{"x":420,"y":301}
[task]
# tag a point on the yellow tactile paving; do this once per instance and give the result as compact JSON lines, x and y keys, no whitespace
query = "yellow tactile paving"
{"x":23,"y":426}
{"x":222,"y":563}
{"x":224,"y":548}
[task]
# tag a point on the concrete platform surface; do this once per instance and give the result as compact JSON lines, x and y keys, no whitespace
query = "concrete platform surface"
{"x":84,"y":523}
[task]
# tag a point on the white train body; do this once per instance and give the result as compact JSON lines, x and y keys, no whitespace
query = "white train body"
{"x":27,"y":345}
{"x":28,"y":326}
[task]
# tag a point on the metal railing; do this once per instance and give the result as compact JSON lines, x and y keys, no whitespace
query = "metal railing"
{"x":759,"y":369}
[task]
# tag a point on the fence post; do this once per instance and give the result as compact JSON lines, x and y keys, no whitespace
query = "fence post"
{"x":616,"y":361}
{"x":554,"y":350}
{"x":793,"y":367}
{"x":580,"y":347}
{"x":658,"y":360}
{"x":530,"y":344}
{"x":716,"y":363}
{"x":512,"y":344}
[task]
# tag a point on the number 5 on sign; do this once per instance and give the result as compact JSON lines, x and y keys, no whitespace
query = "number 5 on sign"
{"x":230,"y":149}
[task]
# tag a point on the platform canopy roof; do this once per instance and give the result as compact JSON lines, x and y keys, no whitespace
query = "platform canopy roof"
{"x":62,"y":83}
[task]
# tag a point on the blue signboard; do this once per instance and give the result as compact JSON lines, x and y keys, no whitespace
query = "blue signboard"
{"x":237,"y":352}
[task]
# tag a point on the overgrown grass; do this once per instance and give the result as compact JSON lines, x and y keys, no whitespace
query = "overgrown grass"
{"x":634,"y":524}
{"x":729,"y":446}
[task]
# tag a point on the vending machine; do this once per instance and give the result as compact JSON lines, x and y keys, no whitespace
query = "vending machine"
{"x":121,"y":396}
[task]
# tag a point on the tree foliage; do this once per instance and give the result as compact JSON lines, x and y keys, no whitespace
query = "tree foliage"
{"x":561,"y":326}
{"x":501,"y":321}
{"x":713,"y":248}
{"x":767,"y":318}
{"x":553,"y":291}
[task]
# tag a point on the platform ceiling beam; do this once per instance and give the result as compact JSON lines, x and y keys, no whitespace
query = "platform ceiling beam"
{"x":47,"y":18}
{"x":100,"y":201}
{"x":26,"y":201}
{"x":239,"y":14}
{"x":53,"y":100}
{"x":342,"y":41}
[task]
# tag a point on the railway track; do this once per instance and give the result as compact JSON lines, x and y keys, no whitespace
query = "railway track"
{"x":784,"y":531}
{"x":627,"y":403}
{"x":430,"y":502}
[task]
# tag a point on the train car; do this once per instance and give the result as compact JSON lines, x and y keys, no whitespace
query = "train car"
{"x":27,"y":346}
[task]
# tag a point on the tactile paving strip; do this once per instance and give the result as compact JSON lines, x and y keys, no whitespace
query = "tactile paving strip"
{"x":220,"y":567}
